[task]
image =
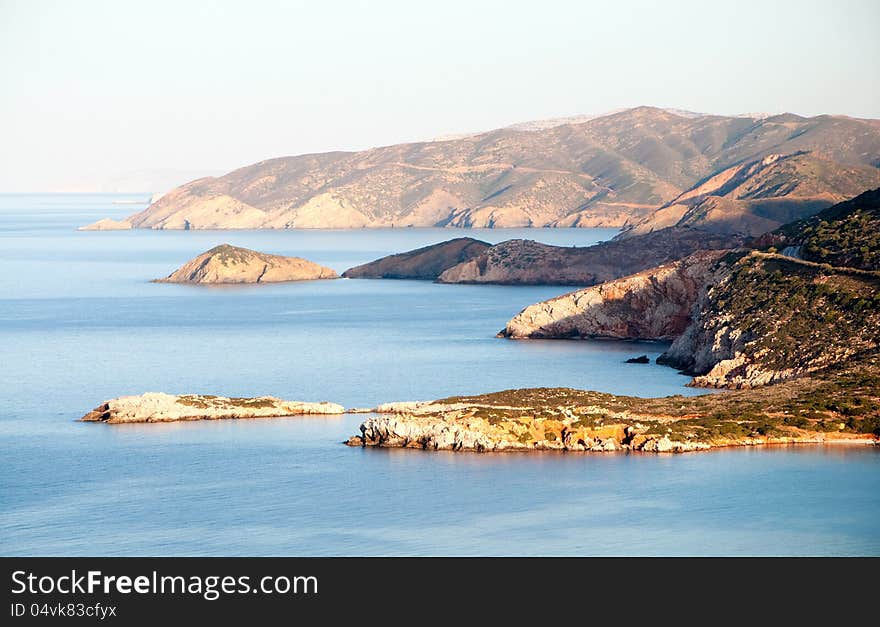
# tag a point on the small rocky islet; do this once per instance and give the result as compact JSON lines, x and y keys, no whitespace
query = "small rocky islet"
{"x":160,"y":407}
{"x":226,"y":264}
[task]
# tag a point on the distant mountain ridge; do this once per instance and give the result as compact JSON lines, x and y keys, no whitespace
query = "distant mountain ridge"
{"x":613,"y":170}
{"x":545,"y":123}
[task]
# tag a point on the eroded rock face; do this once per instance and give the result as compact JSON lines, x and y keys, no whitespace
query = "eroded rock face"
{"x":527,"y":262}
{"x":656,"y":304}
{"x":424,"y":263}
{"x":159,"y":407}
{"x":231,"y":264}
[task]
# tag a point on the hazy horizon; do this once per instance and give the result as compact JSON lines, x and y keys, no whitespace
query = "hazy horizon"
{"x":103,"y":96}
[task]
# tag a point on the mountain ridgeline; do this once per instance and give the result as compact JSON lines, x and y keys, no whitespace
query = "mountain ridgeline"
{"x":643,"y":167}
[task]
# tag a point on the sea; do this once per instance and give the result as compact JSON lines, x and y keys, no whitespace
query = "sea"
{"x":80,"y":322}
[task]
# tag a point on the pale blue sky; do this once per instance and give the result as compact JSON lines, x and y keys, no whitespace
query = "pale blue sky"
{"x":93,"y":90}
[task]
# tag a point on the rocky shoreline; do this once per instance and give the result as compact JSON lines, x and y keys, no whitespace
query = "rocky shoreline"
{"x":447,"y":435}
{"x":742,"y":318}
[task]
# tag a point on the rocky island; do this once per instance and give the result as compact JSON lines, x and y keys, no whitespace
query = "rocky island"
{"x":231,"y":264}
{"x":159,"y":407}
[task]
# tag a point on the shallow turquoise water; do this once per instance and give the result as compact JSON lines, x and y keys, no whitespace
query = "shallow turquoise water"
{"x":80,"y":322}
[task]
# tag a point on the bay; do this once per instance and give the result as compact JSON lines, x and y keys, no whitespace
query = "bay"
{"x":80,"y":322}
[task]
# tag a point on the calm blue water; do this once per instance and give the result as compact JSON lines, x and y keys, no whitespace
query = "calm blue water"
{"x":80,"y":323}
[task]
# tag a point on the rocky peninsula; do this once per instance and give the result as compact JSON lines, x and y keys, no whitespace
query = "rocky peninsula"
{"x":231,"y":264}
{"x":425,"y":263}
{"x":526,"y":262}
{"x":107,"y":224}
{"x":837,"y":405}
{"x":159,"y":407}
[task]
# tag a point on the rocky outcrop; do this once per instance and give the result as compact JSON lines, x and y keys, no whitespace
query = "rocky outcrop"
{"x":107,"y":224}
{"x":230,"y":264}
{"x":641,"y":359}
{"x":158,"y":407}
{"x":656,"y":304}
{"x":772,"y":318}
{"x":607,"y":171}
{"x":526,"y":262}
{"x":424,"y":263}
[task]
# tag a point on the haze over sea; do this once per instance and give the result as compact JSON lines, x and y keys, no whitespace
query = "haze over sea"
{"x":80,"y":323}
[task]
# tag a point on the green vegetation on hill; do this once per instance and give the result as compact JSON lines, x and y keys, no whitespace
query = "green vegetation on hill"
{"x":797,"y":313}
{"x":852,"y":242}
{"x":847,"y":234}
{"x":773,"y":318}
